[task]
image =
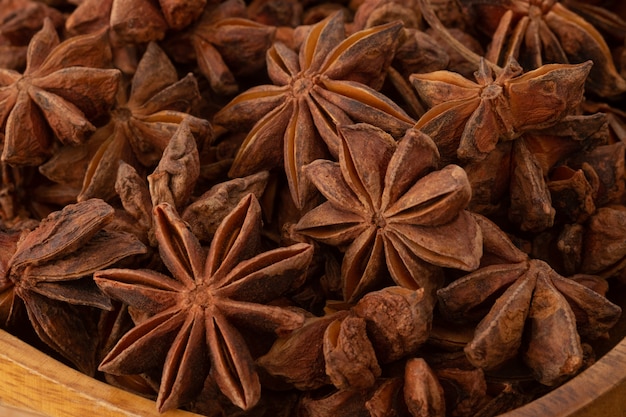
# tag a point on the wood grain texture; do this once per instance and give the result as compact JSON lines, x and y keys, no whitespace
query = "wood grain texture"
{"x":599,"y":391}
{"x":6,"y":411}
{"x":35,"y":382}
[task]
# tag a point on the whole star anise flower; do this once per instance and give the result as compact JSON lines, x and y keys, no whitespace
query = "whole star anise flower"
{"x":145,"y":117}
{"x":195,"y":314}
{"x":331,"y":80}
{"x":62,"y":90}
{"x":388,"y":204}
{"x":47,"y":272}
{"x":538,"y":32}
{"x":210,"y":40}
{"x":467,"y":119}
{"x":531,"y":299}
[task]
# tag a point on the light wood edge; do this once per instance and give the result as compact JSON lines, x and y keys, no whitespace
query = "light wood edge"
{"x":600,"y":390}
{"x":33,"y":381}
{"x":6,"y":411}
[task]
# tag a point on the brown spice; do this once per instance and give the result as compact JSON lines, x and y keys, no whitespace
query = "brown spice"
{"x":325,"y":84}
{"x":49,"y":274}
{"x":390,"y":216}
{"x":62,"y":88}
{"x":478,"y":320}
{"x":193,"y":314}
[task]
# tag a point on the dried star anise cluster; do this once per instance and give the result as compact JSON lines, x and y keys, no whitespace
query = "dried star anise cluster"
{"x":315,"y":208}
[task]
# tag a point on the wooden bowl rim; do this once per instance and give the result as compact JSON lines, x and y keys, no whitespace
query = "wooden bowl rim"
{"x":36,"y":382}
{"x":600,"y":387}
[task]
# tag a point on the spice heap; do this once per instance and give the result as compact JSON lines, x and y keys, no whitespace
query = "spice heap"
{"x":310,"y":208}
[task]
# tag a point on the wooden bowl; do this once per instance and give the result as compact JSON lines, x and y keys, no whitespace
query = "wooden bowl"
{"x":41,"y":386}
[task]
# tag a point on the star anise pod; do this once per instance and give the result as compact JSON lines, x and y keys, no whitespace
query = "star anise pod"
{"x":392,"y":210}
{"x":19,"y":21}
{"x":467,"y":119}
{"x":49,"y":270}
{"x":538,"y":32}
{"x":62,"y":90}
{"x":519,"y":175}
{"x":172,"y":182}
{"x":137,"y":21}
{"x":145,"y":117}
{"x":529,"y":297}
{"x":192,"y":331}
{"x":327,"y":83}
{"x":209,"y":43}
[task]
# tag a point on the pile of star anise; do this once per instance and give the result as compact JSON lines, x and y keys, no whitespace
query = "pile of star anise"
{"x":315,"y":208}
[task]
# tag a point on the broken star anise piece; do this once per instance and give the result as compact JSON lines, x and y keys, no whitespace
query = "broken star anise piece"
{"x":195,"y":315}
{"x":392,"y":210}
{"x":331,"y":80}
{"x":171,"y":182}
{"x":467,"y":119}
{"x":49,"y":274}
{"x":63,"y":89}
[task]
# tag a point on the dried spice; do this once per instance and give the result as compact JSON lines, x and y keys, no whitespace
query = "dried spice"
{"x":535,"y":32}
{"x":558,"y":311}
{"x":193,"y":314}
{"x":326,"y":83}
{"x":20,"y":20}
{"x":144,"y":118}
{"x":209,"y":42}
{"x":390,"y":217}
{"x":412,"y":208}
{"x":484,"y":112}
{"x":63,"y":88}
{"x":49,"y":274}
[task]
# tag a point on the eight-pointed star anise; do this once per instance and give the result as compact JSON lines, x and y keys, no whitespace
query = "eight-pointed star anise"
{"x":330,"y":81}
{"x":48,"y":270}
{"x":467,"y":119}
{"x":196,"y":313}
{"x":62,"y":90}
{"x":388,"y":203}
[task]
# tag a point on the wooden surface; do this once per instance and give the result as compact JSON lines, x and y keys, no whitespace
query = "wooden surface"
{"x":41,"y":386}
{"x":34,"y":382}
{"x":599,"y":391}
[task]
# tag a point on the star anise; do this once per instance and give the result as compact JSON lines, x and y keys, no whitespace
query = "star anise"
{"x":519,"y":175}
{"x":327,"y":83}
{"x":530,"y":297}
{"x":490,"y":110}
{"x":172,"y":181}
{"x":62,"y":90}
{"x":48,"y":270}
{"x":392,"y":210}
{"x":137,"y":21}
{"x":195,"y":314}
{"x":19,"y":21}
{"x":209,"y":42}
{"x":145,"y":117}
{"x":538,"y":32}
